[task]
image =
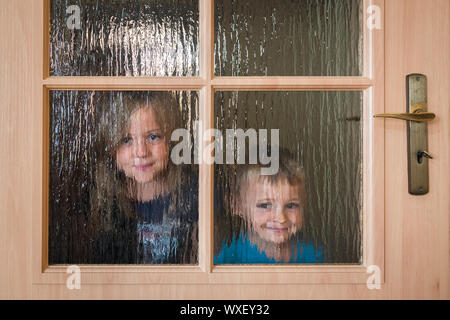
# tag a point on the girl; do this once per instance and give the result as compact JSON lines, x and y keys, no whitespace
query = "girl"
{"x":144,"y":209}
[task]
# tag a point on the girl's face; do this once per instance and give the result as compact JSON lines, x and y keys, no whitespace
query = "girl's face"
{"x":274,"y":211}
{"x":144,"y":152}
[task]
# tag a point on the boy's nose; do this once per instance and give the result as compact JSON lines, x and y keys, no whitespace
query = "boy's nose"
{"x":280,"y":216}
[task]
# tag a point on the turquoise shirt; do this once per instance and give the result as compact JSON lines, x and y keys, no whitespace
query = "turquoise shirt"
{"x":242,"y":251}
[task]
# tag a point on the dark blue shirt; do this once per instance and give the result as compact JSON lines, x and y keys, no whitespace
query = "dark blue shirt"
{"x":167,"y":227}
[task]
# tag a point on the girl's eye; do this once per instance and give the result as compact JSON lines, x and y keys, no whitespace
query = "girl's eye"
{"x":264,"y":205}
{"x":126,"y":140}
{"x":154,"y":137}
{"x":292,"y":205}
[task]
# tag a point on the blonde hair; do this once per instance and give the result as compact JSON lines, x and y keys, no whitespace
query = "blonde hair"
{"x":289,"y":170}
{"x":111,"y":187}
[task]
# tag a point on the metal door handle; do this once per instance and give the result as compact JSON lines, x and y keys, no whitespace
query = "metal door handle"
{"x":418,"y":114}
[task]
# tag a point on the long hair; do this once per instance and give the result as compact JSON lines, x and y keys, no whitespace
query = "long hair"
{"x":111,"y":187}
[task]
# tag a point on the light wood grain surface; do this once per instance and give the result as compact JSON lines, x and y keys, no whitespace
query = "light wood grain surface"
{"x":414,"y":231}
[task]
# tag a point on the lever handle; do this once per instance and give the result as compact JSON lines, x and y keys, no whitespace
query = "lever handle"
{"x":418,"y":115}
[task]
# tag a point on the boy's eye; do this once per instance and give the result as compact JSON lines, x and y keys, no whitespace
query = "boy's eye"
{"x":264,"y":205}
{"x":292,"y":205}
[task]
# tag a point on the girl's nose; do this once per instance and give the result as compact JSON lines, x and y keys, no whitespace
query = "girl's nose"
{"x":141,"y":150}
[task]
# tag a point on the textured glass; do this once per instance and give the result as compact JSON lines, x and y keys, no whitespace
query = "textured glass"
{"x":124,"y":38}
{"x":320,"y":141}
{"x":288,"y":37}
{"x":115,"y":196}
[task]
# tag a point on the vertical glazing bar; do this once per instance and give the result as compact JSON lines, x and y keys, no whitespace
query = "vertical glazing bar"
{"x":206,"y":119}
{"x":206,"y":13}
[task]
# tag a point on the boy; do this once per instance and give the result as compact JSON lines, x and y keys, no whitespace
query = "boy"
{"x":271,"y":208}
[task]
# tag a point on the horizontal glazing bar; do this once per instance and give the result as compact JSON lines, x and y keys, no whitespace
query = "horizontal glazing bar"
{"x":122,"y":83}
{"x":286,"y":83}
{"x":218,"y":83}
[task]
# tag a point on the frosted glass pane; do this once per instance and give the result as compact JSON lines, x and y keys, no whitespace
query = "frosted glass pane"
{"x":308,"y":208}
{"x":288,"y":37}
{"x":124,"y":38}
{"x":115,"y":196}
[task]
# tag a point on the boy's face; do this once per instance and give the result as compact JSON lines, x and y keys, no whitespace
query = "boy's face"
{"x":274,"y":211}
{"x":143,"y":153}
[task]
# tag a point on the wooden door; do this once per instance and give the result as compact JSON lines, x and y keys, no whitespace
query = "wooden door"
{"x":406,"y":236}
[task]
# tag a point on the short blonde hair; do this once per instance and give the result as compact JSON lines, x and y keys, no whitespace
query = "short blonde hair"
{"x":289,"y":170}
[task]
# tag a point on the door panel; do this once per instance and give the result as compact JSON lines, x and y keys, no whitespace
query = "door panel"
{"x":418,"y":226}
{"x":416,"y":232}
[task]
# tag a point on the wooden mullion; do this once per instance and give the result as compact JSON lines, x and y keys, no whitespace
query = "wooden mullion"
{"x":206,"y":184}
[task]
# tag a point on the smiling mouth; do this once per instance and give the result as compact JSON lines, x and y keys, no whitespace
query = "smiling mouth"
{"x":143,"y":167}
{"x":276,"y":230}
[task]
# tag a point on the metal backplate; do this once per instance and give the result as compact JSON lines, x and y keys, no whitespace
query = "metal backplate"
{"x":416,"y":88}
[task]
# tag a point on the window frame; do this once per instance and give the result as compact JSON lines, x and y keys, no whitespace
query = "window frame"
{"x":371,"y":83}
